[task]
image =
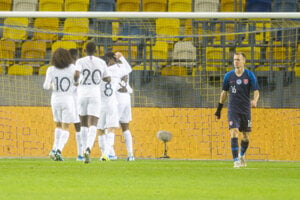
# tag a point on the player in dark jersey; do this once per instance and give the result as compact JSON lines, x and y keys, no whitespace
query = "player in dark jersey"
{"x":238,"y":83}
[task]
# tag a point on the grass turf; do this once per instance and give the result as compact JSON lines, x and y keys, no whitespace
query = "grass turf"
{"x":147,"y":179}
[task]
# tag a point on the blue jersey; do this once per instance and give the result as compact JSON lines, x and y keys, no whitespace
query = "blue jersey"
{"x":239,"y":90}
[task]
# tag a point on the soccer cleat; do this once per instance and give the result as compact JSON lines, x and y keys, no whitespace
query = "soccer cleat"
{"x":58,"y":156}
{"x":236,"y":164}
{"x":111,"y":157}
{"x":86,"y":155}
{"x":242,"y":161}
{"x":52,"y":155}
{"x":80,"y":158}
{"x":104,"y":158}
{"x":130,"y":158}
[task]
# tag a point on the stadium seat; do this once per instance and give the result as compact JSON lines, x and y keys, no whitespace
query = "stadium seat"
{"x":43,"y":70}
{"x":102,"y":5}
{"x":216,"y":55}
{"x":15,"y":29}
{"x":206,"y":6}
{"x":154,"y":5}
{"x":63,"y":44}
{"x":128,"y":49}
{"x":174,"y":71}
{"x":180,"y":5}
{"x":51,"y":5}
{"x":131,"y":29}
{"x":258,"y":5}
{"x":25,"y":5}
{"x":33,"y":50}
{"x":5,"y":5}
{"x":77,"y":5}
{"x":160,"y":53}
{"x":7,"y":51}
{"x":278,"y":54}
{"x":128,"y":5}
{"x":222,"y":28}
{"x":168,"y":28}
{"x":76,"y":29}
{"x":44,"y":25}
{"x":184,"y":54}
{"x":232,"y":5}
{"x":285,"y":6}
{"x":21,"y":70}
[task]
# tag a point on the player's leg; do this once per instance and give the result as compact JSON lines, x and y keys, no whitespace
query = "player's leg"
{"x":244,"y":147}
{"x":110,"y":139}
{"x":234,"y":133}
{"x":128,"y":141}
{"x":63,"y":140}
{"x":57,"y":135}
{"x":102,"y":141}
{"x":78,"y":142}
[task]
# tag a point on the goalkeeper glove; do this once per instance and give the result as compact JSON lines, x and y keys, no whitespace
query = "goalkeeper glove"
{"x":218,"y":112}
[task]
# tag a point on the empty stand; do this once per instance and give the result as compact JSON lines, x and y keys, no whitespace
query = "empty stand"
{"x":43,"y":70}
{"x":51,"y":5}
{"x":128,"y":5}
{"x":34,"y":51}
{"x":159,"y":53}
{"x":129,"y":50}
{"x":44,"y":26}
{"x":216,"y":55}
{"x":20,"y":70}
{"x":232,"y":5}
{"x":174,"y":71}
{"x":63,"y":44}
{"x":76,"y":29}
{"x":168,"y":28}
{"x":7,"y":52}
{"x":25,"y":5}
{"x":180,"y":5}
{"x":206,"y":5}
{"x":184,"y":53}
{"x":5,"y":5}
{"x":77,"y":5}
{"x":154,"y":5}
{"x":15,"y":29}
{"x":258,"y":5}
{"x":102,"y":5}
{"x":285,"y":6}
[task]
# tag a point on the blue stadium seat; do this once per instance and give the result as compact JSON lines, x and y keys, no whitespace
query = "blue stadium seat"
{"x":102,"y":5}
{"x":258,"y":5}
{"x":285,"y":6}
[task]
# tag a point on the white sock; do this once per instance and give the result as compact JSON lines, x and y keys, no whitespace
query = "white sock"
{"x":63,"y":139}
{"x":57,"y":134}
{"x":128,"y":142}
{"x":91,"y":137}
{"x":84,"y":136}
{"x":101,"y":142}
{"x":111,"y":141}
{"x":78,"y":142}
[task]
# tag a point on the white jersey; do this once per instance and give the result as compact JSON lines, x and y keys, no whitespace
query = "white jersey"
{"x":125,"y":70}
{"x":92,"y":70}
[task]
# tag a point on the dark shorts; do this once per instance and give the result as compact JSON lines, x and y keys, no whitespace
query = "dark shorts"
{"x":240,"y":121}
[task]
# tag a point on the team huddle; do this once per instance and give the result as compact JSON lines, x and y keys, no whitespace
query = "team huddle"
{"x":93,"y":94}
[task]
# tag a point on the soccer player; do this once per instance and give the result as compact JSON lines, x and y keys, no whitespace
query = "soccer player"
{"x":238,"y":83}
{"x":124,"y":99}
{"x":75,"y":56}
{"x":92,"y":71}
{"x":59,"y":79}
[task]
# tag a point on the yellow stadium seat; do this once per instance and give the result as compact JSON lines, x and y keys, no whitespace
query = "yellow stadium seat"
{"x":7,"y":51}
{"x":229,"y":6}
{"x":167,"y":28}
{"x":129,"y":50}
{"x":33,"y":50}
{"x":297,"y":71}
{"x":278,"y":54}
{"x":154,"y":5}
{"x":51,"y":5}
{"x":25,"y":5}
{"x":128,"y":5}
{"x":77,"y":5}
{"x":248,"y":52}
{"x":5,"y":5}
{"x":15,"y":28}
{"x":76,"y":29}
{"x":174,"y":71}
{"x":216,"y":55}
{"x":20,"y":70}
{"x":43,"y":70}
{"x":228,"y":28}
{"x":44,"y":26}
{"x":180,"y":5}
{"x":63,"y":44}
{"x":160,"y":52}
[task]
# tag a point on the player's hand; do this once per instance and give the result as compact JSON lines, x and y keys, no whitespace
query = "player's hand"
{"x":118,"y":55}
{"x":218,"y":114}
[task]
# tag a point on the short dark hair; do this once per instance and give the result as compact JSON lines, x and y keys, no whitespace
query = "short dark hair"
{"x":110,"y":56}
{"x":240,"y":53}
{"x":90,"y":48}
{"x":61,"y":58}
{"x":74,"y":53}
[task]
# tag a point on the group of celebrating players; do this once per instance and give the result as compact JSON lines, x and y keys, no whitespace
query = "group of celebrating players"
{"x":93,"y":93}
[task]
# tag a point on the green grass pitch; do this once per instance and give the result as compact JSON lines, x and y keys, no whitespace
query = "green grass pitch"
{"x":147,"y":179}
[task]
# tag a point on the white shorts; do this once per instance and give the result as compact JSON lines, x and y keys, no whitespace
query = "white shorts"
{"x":109,"y":117}
{"x":77,"y":118}
{"x":63,"y":111}
{"x":89,"y":106}
{"x":124,"y":107}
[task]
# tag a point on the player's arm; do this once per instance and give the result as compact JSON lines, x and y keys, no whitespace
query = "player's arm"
{"x":120,"y":57}
{"x":223,"y":98}
{"x":255,"y":98}
{"x":47,"y":83}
